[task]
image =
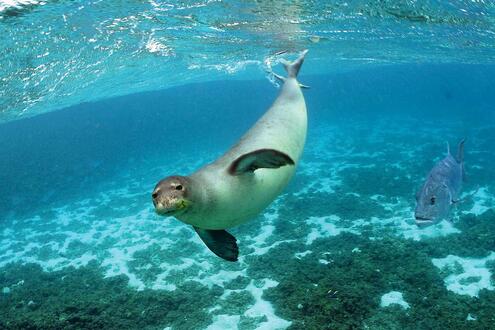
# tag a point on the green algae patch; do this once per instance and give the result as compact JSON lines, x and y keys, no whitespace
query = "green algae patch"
{"x":236,"y":303}
{"x":340,"y":286}
{"x":348,"y":207}
{"x":239,"y":283}
{"x":469,"y":280}
{"x":382,"y":180}
{"x":251,"y":323}
{"x":476,"y":239}
{"x":84,"y":299}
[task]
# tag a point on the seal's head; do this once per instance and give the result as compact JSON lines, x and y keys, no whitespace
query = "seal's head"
{"x":170,"y":195}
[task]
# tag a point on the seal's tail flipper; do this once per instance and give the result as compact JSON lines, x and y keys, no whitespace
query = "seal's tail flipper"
{"x":219,"y":242}
{"x":293,"y":68}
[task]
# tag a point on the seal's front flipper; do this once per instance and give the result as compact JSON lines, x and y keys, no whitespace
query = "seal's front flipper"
{"x":262,"y":158}
{"x":219,"y":242}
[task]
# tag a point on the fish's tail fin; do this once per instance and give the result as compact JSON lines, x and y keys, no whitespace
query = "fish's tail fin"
{"x":293,"y":68}
{"x":460,"y":151}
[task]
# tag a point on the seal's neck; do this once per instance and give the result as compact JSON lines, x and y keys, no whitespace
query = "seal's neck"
{"x":198,"y":196}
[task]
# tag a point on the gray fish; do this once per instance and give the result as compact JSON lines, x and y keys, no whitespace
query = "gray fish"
{"x":441,"y":189}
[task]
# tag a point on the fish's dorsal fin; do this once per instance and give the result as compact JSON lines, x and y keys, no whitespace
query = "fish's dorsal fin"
{"x":261,"y":158}
{"x":460,"y":151}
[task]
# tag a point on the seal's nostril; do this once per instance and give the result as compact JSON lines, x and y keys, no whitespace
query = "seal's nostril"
{"x":154,"y":195}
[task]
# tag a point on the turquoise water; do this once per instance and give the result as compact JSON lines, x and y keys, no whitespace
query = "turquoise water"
{"x":100,"y":100}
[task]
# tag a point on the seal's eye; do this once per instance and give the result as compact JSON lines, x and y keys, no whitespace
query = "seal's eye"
{"x":178,"y":187}
{"x":432,"y":200}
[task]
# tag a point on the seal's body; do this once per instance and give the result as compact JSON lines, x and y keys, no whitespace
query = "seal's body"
{"x":246,"y":179}
{"x":236,"y":198}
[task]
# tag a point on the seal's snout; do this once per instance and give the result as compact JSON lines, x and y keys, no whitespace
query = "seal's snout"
{"x":162,"y":202}
{"x":154,"y":197}
{"x":169,"y":195}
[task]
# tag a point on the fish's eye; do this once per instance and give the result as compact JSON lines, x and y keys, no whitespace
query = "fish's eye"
{"x":432,"y":200}
{"x":178,"y":187}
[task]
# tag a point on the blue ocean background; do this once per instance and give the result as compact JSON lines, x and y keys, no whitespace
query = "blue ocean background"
{"x":99,"y":101}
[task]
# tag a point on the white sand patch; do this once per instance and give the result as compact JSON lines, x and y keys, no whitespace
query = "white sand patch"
{"x":441,"y":229}
{"x":323,"y":227}
{"x":82,"y":260}
{"x":393,"y":298}
{"x":377,"y":197}
{"x":403,"y":222}
{"x":398,"y":165}
{"x":473,"y":278}
{"x":397,"y":207}
{"x":300,"y":255}
{"x":328,"y":185}
{"x":271,"y":214}
{"x":483,"y":201}
{"x":263,"y":250}
{"x":162,"y":283}
{"x":262,"y":307}
{"x":260,"y":240}
{"x":220,"y":277}
{"x":52,"y":264}
{"x":117,"y":264}
{"x":260,"y":244}
{"x":223,"y":322}
{"x":327,"y":174}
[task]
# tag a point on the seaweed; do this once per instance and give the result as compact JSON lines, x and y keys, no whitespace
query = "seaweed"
{"x":84,"y":299}
{"x":344,"y":291}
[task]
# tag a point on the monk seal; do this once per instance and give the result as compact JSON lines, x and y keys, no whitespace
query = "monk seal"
{"x":247,"y":178}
